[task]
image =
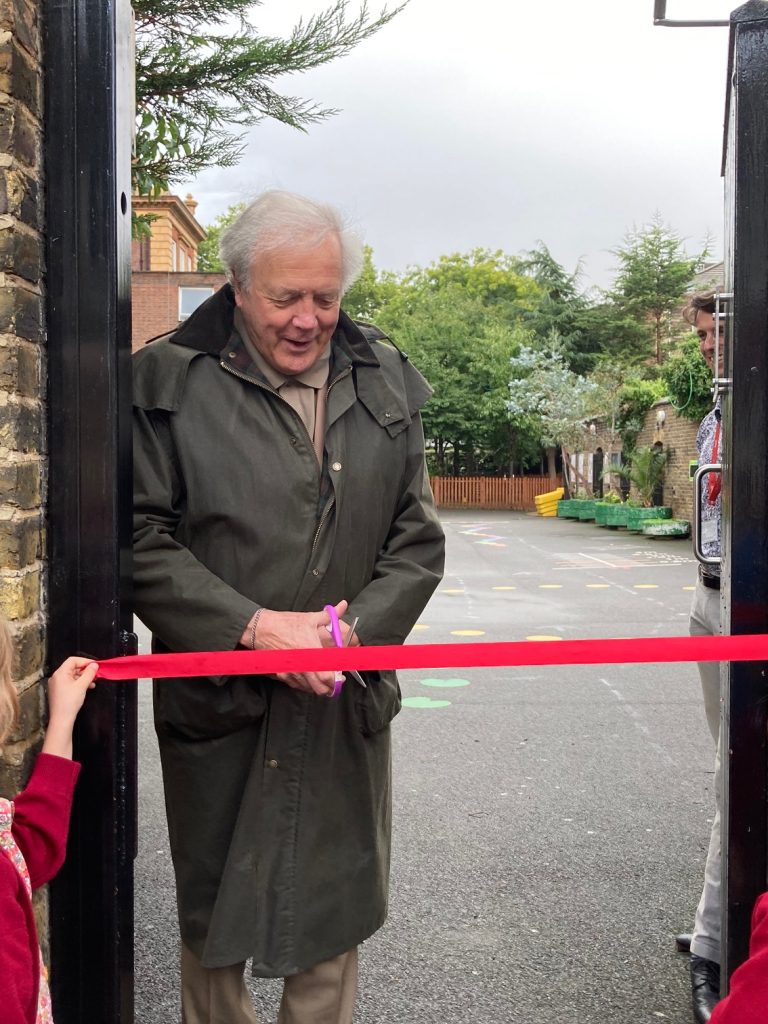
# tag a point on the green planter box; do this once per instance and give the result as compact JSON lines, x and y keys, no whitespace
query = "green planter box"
{"x":586,"y":511}
{"x":616,"y":516}
{"x":562,"y":508}
{"x":573,"y":506}
{"x":638,"y":517}
{"x":666,"y":528}
{"x":602,"y":509}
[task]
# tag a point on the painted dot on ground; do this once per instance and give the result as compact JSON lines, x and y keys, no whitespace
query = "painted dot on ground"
{"x":646,"y":586}
{"x":421,"y":625}
{"x":503,"y":588}
{"x":598,"y":586}
{"x":447,"y":684}
{"x":447,"y":591}
{"x":542,"y":636}
{"x":467,"y":632}
{"x":550,"y":586}
{"x":424,"y":702}
{"x":689,"y":588}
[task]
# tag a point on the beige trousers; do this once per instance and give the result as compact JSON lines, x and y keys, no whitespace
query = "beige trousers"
{"x":324,"y":994}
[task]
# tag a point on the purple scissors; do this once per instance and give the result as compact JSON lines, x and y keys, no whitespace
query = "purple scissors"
{"x":335,"y":630}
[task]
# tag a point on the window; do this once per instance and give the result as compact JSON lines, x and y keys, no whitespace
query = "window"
{"x":191,"y":298}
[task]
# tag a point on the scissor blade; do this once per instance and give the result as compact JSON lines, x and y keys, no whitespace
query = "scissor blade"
{"x":358,"y":678}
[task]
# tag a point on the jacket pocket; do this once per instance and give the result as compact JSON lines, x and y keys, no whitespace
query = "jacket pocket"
{"x":378,"y":704}
{"x":201,"y":708}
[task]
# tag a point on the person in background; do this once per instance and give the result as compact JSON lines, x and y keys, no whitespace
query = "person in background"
{"x":33,"y":833}
{"x":704,"y":943}
{"x":280,"y":482}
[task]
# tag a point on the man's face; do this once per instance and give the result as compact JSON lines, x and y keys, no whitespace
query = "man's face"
{"x":705,"y":328}
{"x":292,"y":305}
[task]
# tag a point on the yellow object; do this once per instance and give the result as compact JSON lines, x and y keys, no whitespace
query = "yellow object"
{"x":546,"y":504}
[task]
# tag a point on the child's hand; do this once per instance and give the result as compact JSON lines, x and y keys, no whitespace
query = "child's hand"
{"x":67,"y":688}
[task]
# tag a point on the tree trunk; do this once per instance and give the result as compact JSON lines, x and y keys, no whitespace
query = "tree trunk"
{"x":551,"y":463}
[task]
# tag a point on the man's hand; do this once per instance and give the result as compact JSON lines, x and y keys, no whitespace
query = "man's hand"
{"x":283,"y":631}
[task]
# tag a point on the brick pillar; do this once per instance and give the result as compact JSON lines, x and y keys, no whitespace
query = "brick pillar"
{"x":22,"y":399}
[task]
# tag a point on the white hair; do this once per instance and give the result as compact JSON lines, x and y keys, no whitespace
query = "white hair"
{"x":282,"y":220}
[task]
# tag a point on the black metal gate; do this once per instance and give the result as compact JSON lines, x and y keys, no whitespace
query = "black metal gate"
{"x":88,"y":125}
{"x":745,"y":476}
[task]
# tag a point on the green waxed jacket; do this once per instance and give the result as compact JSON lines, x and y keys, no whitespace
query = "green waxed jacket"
{"x":278,"y":802}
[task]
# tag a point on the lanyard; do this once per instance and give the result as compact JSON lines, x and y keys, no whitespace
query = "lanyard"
{"x":714,"y":480}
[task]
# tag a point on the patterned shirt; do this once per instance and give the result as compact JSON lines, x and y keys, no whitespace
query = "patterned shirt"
{"x":710,"y":511}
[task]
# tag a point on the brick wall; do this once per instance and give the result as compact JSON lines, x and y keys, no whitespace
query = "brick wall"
{"x":678,"y":436}
{"x":155,"y":300}
{"x":22,"y":356}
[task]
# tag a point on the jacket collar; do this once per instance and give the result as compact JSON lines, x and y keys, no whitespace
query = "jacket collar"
{"x":210,"y":327}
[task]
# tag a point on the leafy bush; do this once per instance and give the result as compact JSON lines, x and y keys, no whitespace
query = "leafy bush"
{"x":636,"y":397}
{"x":689,"y":380}
{"x":645,"y":472}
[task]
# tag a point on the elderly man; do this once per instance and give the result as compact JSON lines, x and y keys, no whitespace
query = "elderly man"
{"x":705,"y":621}
{"x":279,"y":468}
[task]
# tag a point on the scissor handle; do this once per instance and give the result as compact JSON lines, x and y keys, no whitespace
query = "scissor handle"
{"x":339,"y":641}
{"x":335,"y":628}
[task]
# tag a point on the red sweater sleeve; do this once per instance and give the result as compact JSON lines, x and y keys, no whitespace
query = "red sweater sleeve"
{"x":41,"y":816}
{"x":747,"y":999}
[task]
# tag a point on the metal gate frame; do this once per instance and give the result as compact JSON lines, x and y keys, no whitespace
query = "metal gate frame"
{"x":88,"y":127}
{"x":744,"y":727}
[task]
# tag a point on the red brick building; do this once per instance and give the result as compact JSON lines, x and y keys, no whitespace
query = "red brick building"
{"x":166,"y":284}
{"x":161,"y":299}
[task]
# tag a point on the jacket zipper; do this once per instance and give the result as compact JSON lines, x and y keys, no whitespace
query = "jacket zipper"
{"x":266,"y":387}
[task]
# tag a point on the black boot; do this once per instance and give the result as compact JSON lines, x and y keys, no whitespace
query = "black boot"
{"x":705,"y":987}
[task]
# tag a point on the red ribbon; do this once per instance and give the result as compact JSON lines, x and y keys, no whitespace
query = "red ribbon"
{"x":455,"y":655}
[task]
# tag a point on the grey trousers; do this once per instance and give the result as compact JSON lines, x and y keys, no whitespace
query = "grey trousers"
{"x":705,"y":621}
{"x":324,"y":994}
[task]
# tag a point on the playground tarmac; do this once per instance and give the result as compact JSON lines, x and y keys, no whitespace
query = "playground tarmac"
{"x":550,"y":825}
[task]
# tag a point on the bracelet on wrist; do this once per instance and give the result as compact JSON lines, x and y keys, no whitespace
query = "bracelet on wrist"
{"x":254,"y":624}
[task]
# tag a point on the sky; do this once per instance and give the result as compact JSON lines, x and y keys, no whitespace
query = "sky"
{"x":502,"y":123}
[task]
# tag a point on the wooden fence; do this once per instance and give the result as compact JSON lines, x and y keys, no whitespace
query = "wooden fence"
{"x":489,"y":492}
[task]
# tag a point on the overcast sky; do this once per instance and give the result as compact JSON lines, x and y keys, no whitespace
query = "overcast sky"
{"x":498,"y":123}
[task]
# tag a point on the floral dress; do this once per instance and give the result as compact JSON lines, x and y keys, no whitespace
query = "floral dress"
{"x":10,"y":848}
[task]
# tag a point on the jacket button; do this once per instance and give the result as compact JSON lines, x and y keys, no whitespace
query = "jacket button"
{"x":387,"y":415}
{"x":272,"y":763}
{"x":315,"y":572}
{"x":293,"y":440}
{"x":336,"y":466}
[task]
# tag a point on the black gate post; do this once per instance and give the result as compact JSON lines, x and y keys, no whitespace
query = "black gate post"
{"x":745,"y":477}
{"x":88,"y":112}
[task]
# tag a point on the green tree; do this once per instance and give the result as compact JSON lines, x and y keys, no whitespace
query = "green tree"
{"x":204,"y":74}
{"x":560,"y":308}
{"x":545,"y":391}
{"x":462,"y":345}
{"x":635,"y":399}
{"x":608,"y":332}
{"x":369,"y":291}
{"x":491,"y":276}
{"x":208,"y":250}
{"x":604,"y":403}
{"x":654,"y":272}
